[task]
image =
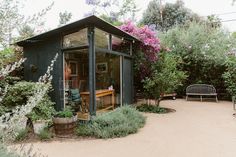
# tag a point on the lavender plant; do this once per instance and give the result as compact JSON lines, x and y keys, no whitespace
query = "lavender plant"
{"x":9,"y":68}
{"x":5,"y":72}
{"x":11,"y":123}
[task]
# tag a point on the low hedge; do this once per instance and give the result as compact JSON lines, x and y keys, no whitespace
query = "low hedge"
{"x":118,"y":123}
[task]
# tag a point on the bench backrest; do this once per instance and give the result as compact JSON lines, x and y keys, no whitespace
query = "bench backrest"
{"x":201,"y":89}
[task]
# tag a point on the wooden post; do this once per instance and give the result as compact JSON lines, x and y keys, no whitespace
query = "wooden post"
{"x":92,"y":74}
{"x":113,"y":99}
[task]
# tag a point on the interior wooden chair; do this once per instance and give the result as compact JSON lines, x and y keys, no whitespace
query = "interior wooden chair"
{"x":76,"y":100}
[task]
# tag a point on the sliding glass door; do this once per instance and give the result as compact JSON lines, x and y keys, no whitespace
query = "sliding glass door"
{"x":108,"y":86}
{"x":76,"y":81}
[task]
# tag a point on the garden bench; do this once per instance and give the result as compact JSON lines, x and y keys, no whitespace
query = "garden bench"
{"x":201,"y":90}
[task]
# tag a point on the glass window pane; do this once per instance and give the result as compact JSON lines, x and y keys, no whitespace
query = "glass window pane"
{"x":107,"y":81}
{"x":101,"y":39}
{"x":120,"y":45}
{"x":76,"y":71}
{"x":76,"y":39}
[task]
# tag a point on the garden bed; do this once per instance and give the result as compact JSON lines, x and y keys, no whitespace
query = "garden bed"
{"x":154,"y":109}
{"x":118,"y":123}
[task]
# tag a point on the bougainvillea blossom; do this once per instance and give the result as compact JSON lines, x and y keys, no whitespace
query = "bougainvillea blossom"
{"x":150,"y":45}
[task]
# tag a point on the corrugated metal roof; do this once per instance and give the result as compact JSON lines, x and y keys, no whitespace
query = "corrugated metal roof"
{"x":85,"y":22}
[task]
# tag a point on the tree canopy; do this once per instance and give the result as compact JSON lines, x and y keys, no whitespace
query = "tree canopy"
{"x":14,"y":24}
{"x":113,"y":11}
{"x":165,"y":16}
{"x":64,"y":18}
{"x":203,"y":56}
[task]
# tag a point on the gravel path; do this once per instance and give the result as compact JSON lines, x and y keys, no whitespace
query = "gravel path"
{"x":196,"y":129}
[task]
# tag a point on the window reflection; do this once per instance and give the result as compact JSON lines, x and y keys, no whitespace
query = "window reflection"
{"x":120,"y":45}
{"x":76,"y":39}
{"x":107,"y":80}
{"x":101,"y":39}
{"x":77,"y":82}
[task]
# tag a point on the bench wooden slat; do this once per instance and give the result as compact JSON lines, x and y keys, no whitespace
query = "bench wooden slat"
{"x":201,"y":94}
{"x":201,"y":90}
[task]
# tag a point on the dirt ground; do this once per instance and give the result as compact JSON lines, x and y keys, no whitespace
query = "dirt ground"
{"x":196,"y":129}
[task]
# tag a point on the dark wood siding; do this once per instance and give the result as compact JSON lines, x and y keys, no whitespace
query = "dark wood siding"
{"x":127,"y":81}
{"x":40,"y":55}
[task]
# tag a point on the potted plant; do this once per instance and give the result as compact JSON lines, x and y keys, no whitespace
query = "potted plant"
{"x":42,"y":114}
{"x":64,"y":122}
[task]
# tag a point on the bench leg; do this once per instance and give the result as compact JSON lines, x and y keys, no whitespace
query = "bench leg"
{"x":233,"y":101}
{"x":216,"y":99}
{"x":201,"y":98}
{"x":186,"y":97}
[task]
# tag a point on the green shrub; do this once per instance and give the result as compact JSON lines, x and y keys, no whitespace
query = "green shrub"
{"x":5,"y":153}
{"x":165,"y":78}
{"x":230,"y":76}
{"x":121,"y":122}
{"x":45,"y":134}
{"x":18,"y":94}
{"x":22,"y":135}
{"x":44,"y":110}
{"x":3,"y":109}
{"x":203,"y":56}
{"x":66,"y":113}
{"x":9,"y":80}
{"x":84,"y":130}
{"x":8,"y":56}
{"x":151,"y":109}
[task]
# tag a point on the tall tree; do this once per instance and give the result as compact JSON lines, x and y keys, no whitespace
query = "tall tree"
{"x":12,"y":21}
{"x":111,"y":19}
{"x":9,"y":19}
{"x":65,"y":17}
{"x":203,"y":49}
{"x":213,"y":21}
{"x":114,"y":11}
{"x":25,"y":31}
{"x":128,"y":10}
{"x":165,"y":16}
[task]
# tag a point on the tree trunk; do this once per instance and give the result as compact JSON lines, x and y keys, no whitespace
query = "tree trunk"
{"x":157,"y":102}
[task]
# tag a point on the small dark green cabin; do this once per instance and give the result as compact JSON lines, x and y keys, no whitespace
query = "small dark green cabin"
{"x":95,"y":59}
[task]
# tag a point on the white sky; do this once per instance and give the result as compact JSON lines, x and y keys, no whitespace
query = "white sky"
{"x":78,"y":8}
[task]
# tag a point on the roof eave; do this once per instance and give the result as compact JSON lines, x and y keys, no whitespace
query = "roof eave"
{"x":85,"y":22}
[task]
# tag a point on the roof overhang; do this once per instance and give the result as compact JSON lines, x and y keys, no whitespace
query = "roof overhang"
{"x":85,"y":22}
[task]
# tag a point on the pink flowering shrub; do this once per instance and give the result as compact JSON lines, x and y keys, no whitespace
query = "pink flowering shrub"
{"x":150,"y":47}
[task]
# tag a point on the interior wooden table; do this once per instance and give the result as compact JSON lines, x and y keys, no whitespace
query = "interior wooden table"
{"x":100,"y":93}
